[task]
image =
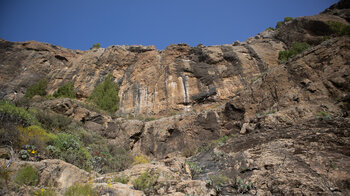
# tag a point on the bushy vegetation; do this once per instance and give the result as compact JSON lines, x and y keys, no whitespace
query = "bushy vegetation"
{"x":10,"y":113}
{"x":287,"y":19}
{"x":339,"y":28}
{"x":52,"y":121}
{"x":281,"y":23}
{"x":121,"y":179}
{"x":70,"y":149}
{"x":195,"y":169}
{"x":218,"y":181}
{"x":34,"y":132}
{"x":80,"y":190}
{"x":323,"y":115}
{"x":109,"y":158}
{"x":140,"y":159}
{"x":214,"y":143}
{"x":39,"y":88}
{"x":269,"y":29}
{"x":66,"y":90}
{"x":37,"y":133}
{"x":105,"y":95}
{"x":27,"y":175}
{"x":296,"y":48}
{"x":146,"y":182}
{"x":243,"y":187}
{"x":97,"y":46}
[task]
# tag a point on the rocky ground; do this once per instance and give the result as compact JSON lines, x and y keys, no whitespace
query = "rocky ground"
{"x":216,"y":120}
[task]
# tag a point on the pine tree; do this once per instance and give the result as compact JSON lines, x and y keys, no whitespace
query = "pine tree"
{"x":105,"y":95}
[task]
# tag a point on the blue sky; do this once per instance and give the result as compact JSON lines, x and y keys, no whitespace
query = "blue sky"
{"x":78,"y":24}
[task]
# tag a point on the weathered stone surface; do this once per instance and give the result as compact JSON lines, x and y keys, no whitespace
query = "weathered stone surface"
{"x":302,"y":87}
{"x":54,"y":173}
{"x":106,"y":189}
{"x":311,"y":157}
{"x":172,"y":178}
{"x":310,"y":29}
{"x":151,"y":82}
{"x":194,"y":102}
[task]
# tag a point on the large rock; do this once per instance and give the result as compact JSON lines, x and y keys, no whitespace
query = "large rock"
{"x":310,"y":29}
{"x":151,"y":82}
{"x":309,"y":158}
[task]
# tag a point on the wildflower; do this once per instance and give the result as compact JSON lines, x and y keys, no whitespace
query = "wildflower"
{"x":42,"y":190}
{"x":34,"y":151}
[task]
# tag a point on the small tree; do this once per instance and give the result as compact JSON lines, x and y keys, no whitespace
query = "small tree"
{"x":105,"y":95}
{"x":67,"y":90}
{"x":38,"y":88}
{"x":97,"y":46}
{"x":297,"y":48}
{"x":281,"y":23}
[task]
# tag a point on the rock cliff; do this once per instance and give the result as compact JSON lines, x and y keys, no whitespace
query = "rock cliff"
{"x":216,"y":120}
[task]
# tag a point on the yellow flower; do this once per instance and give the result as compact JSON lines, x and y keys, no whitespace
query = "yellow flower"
{"x":109,"y":185}
{"x":42,"y":190}
{"x":34,"y":151}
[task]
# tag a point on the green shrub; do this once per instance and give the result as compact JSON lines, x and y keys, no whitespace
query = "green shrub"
{"x":297,"y":48}
{"x":243,"y":187}
{"x":105,"y":95}
{"x":269,"y":29}
{"x":281,"y":23}
{"x":97,"y":46}
{"x":66,"y":142}
{"x":10,"y":113}
{"x":28,"y":176}
{"x":120,"y":159}
{"x":52,"y":121}
{"x":195,"y":169}
{"x":72,"y":150}
{"x":38,"y":88}
{"x":109,"y":158}
{"x":339,"y":28}
{"x":66,"y":90}
{"x":323,"y":115}
{"x":140,"y":159}
{"x":122,"y":179}
{"x":146,"y":182}
{"x":218,"y":181}
{"x":80,"y":190}
{"x":287,"y":19}
{"x":34,"y":132}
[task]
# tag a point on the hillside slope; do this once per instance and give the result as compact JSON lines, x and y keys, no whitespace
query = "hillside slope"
{"x":214,"y":120}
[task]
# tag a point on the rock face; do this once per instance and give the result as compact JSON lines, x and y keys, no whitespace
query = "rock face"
{"x":151,"y":82}
{"x":248,"y":124}
{"x":309,"y":158}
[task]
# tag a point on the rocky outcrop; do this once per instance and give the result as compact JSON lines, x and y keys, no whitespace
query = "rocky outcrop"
{"x":248,"y":124}
{"x":309,"y":29}
{"x":309,"y":158}
{"x":151,"y":82}
{"x":52,"y":173}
